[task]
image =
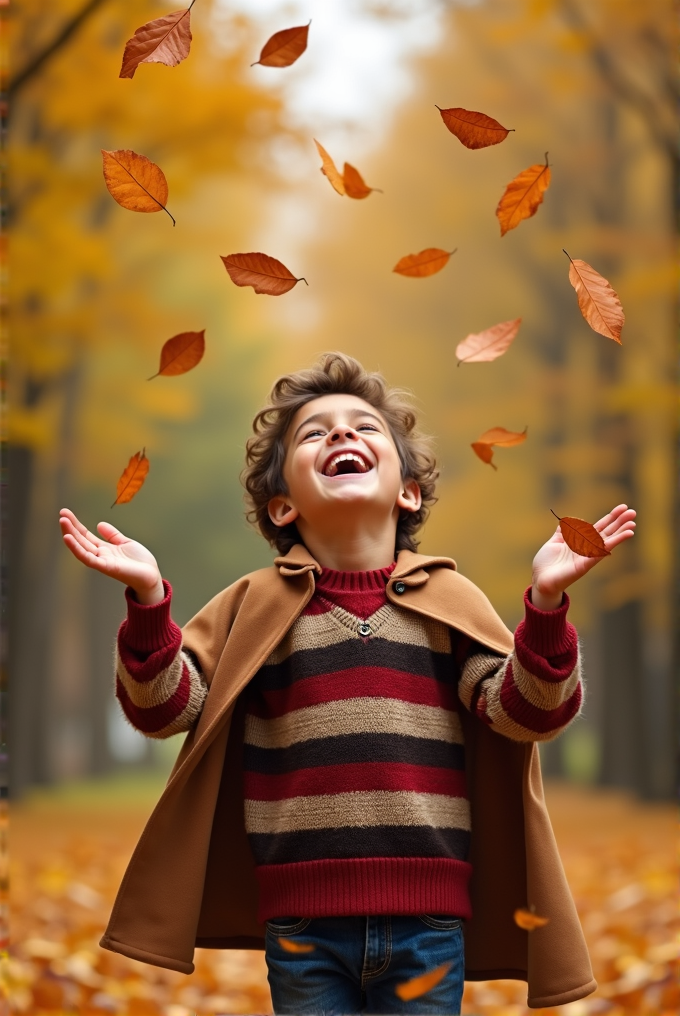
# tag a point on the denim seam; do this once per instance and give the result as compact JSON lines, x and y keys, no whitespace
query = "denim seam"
{"x":432,"y":922}
{"x":367,"y":975}
{"x":284,"y":930}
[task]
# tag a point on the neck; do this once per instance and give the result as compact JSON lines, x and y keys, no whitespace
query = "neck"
{"x":358,"y":551}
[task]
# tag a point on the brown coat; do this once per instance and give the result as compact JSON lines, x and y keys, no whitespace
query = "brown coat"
{"x":191,"y":880}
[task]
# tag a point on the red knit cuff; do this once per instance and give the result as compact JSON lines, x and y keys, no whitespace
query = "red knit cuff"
{"x":149,"y":628}
{"x":547,"y":632}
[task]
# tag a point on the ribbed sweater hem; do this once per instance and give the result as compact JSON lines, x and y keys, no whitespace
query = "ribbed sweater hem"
{"x":365,"y":886}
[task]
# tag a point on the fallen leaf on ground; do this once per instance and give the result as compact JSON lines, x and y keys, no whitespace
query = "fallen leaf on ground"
{"x":528,"y":920}
{"x":180,"y":353}
{"x":474,"y":130}
{"x":265,"y":274}
{"x":135,"y":182}
{"x":599,"y":303}
{"x":499,"y":437}
{"x":354,"y":183}
{"x":132,"y":478}
{"x":487,"y":345}
{"x":284,"y":47}
{"x":427,"y":262}
{"x":418,"y":986}
{"x":523,"y":195}
{"x":291,"y":946}
{"x":330,"y":170}
{"x":582,"y":537}
{"x":165,"y":40}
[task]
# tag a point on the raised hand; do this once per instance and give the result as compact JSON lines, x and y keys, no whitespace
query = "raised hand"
{"x":115,"y":555}
{"x":556,"y":566}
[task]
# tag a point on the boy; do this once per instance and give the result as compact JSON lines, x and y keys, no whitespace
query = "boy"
{"x":360,"y":773}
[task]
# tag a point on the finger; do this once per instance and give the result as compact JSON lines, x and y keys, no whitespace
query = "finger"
{"x":625,"y":519}
{"x":67,"y":516}
{"x":111,"y":534}
{"x":610,"y":517}
{"x":68,"y":529}
{"x":614,"y":541}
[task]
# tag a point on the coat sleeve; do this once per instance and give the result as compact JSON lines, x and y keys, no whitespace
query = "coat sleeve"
{"x":158,"y":683}
{"x":535,"y":691}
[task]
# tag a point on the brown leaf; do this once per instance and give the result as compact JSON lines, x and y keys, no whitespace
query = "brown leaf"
{"x":135,"y":182}
{"x":599,"y":303}
{"x":581,"y":537}
{"x":474,"y":130}
{"x":427,"y":262}
{"x":523,"y":195}
{"x":284,"y":47}
{"x":527,"y":920}
{"x":330,"y":170}
{"x":487,"y":345}
{"x":354,"y":183}
{"x":132,"y":478}
{"x":291,"y":946}
{"x":265,"y":274}
{"x":499,"y":436}
{"x":165,"y":40}
{"x":181,"y":353}
{"x":418,"y":986}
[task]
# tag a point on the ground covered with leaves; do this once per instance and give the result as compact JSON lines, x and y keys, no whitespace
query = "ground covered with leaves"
{"x":68,"y":853}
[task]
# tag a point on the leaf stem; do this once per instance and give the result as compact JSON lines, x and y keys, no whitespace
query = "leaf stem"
{"x":568,"y":255}
{"x":556,"y":516}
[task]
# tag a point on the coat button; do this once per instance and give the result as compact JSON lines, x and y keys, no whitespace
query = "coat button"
{"x":400,"y":587}
{"x":365,"y":630}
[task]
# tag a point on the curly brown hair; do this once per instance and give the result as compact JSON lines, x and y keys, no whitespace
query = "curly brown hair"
{"x":333,"y":374}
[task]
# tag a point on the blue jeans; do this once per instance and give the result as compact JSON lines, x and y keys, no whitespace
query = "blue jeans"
{"x":340,"y":966}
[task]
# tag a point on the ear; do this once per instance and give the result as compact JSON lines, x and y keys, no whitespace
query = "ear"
{"x":410,"y":498}
{"x":281,"y":512}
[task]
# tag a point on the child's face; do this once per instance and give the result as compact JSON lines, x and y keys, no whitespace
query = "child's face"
{"x":341,"y":466}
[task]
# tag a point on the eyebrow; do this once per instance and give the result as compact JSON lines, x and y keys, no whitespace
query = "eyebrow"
{"x":324,"y":417}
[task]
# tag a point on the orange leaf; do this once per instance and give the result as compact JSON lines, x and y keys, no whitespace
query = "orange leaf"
{"x":165,"y":40}
{"x":283,"y":48}
{"x":523,"y":195}
{"x":354,"y":183}
{"x":527,"y":920}
{"x":265,"y":274}
{"x":291,"y":946}
{"x":599,"y":303}
{"x":330,"y":170}
{"x":474,"y":130}
{"x":427,"y":262}
{"x":487,"y":345}
{"x":180,"y":353}
{"x":483,"y":446}
{"x":418,"y":986}
{"x":135,"y":182}
{"x":581,"y":537}
{"x":132,"y":478}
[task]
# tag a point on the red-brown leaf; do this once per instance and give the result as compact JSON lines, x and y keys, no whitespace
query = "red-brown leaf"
{"x":284,"y":47}
{"x":132,"y":478}
{"x":523,"y":195}
{"x":354,"y":183}
{"x":135,"y":182}
{"x":427,"y":262}
{"x":420,"y":985}
{"x":599,"y":304}
{"x":291,"y":946}
{"x":181,"y":353}
{"x":474,"y":130}
{"x":582,"y":537}
{"x":528,"y":920}
{"x":487,"y":345}
{"x":265,"y":274}
{"x":165,"y":40}
{"x":496,"y":436}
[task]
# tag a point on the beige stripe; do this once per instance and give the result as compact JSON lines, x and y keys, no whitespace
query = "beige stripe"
{"x":145,"y":694}
{"x":354,"y":716}
{"x":545,"y":694}
{"x":360,"y":808}
{"x":318,"y":631}
{"x":478,"y":668}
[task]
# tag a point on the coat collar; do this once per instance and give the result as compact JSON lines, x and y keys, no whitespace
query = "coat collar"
{"x":412,"y":569}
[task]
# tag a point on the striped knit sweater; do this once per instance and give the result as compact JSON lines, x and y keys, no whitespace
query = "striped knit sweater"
{"x":354,"y":759}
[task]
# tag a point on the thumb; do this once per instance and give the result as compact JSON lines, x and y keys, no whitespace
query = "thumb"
{"x":111,"y":534}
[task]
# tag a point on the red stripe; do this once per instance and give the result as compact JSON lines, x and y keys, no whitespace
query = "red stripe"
{"x":143,"y":667}
{"x":357,"y":682}
{"x":555,"y":669}
{"x":343,"y":779}
{"x":154,"y":718}
{"x":541,"y":721}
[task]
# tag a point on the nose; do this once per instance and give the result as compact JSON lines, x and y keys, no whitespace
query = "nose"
{"x":342,"y":430}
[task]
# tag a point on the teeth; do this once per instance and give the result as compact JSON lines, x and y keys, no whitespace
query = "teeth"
{"x":332,"y":467}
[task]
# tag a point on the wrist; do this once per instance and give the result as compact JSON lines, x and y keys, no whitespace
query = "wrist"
{"x":149,"y":597}
{"x":546,"y":601}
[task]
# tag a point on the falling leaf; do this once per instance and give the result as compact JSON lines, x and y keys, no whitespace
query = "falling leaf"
{"x":427,"y":262}
{"x":487,"y":345}
{"x":523,"y":195}
{"x":295,"y":947}
{"x":135,"y":182}
{"x":330,"y":170}
{"x":528,"y":920}
{"x":165,"y":40}
{"x":581,"y":537}
{"x":474,"y":130}
{"x":599,"y":303}
{"x":265,"y":274}
{"x":354,"y":183}
{"x":284,"y":47}
{"x":180,"y":353}
{"x":418,"y":986}
{"x":500,"y":437}
{"x":132,"y":478}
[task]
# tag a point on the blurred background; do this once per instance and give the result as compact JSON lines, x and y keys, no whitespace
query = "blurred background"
{"x":95,"y":290}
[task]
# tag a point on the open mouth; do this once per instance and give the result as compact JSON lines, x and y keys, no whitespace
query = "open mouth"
{"x":345,"y":463}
